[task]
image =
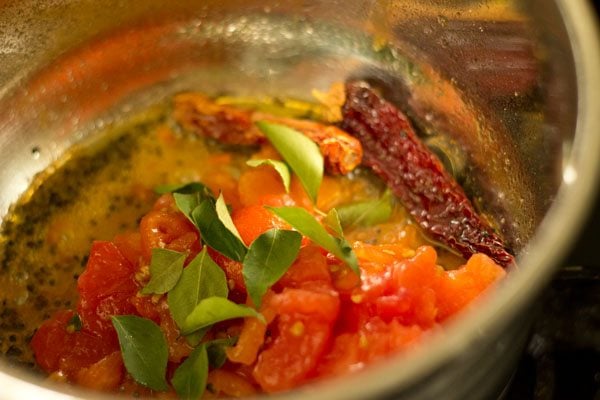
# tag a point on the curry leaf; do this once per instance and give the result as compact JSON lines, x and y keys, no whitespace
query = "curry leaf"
{"x":305,"y":223}
{"x":190,"y":377}
{"x":269,"y":256}
{"x":278,"y":166}
{"x":214,"y":232}
{"x":216,"y":351}
{"x":166,"y":267}
{"x":187,"y":196}
{"x":202,"y":278}
{"x":301,"y":154}
{"x":332,"y":220}
{"x":216,"y":309}
{"x":366,"y":213}
{"x":144,"y":350}
{"x":223,"y":214}
{"x":183,"y":188}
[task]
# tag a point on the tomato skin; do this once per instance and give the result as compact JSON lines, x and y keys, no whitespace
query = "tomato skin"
{"x":146,"y":308}
{"x":51,"y":340}
{"x":187,"y":243}
{"x":104,"y":375}
{"x":165,"y":202}
{"x":230,"y":384}
{"x":105,"y":288}
{"x":58,"y":348}
{"x":294,"y":353}
{"x":159,"y":228}
{"x":259,"y":182}
{"x":252,"y":221}
{"x":107,"y":272}
{"x":323,"y":306}
{"x":374,"y":340}
{"x":404,"y":290}
{"x":310,"y":266}
{"x":232,"y":269}
{"x":304,"y":329}
{"x":130,"y":245}
{"x":461,"y":286}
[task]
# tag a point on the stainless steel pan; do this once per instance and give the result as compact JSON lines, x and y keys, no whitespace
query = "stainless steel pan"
{"x":506,"y":92}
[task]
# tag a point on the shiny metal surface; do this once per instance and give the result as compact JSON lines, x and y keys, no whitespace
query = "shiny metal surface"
{"x":509,"y":87}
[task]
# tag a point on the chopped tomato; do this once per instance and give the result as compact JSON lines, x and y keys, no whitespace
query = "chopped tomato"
{"x":130,"y":245}
{"x":374,"y":340}
{"x":252,"y":335}
{"x":252,"y":221}
{"x":259,"y":182}
{"x":166,"y":202}
{"x":304,"y":328}
{"x":105,"y":374}
{"x":226,"y":383}
{"x":310,"y":266}
{"x":187,"y":243}
{"x":459,"y":287}
{"x":178,"y":344}
{"x":51,"y":340}
{"x":159,"y":228}
{"x":58,"y":347}
{"x":321,"y":319}
{"x":294,"y":353}
{"x":105,"y":288}
{"x":146,"y":306}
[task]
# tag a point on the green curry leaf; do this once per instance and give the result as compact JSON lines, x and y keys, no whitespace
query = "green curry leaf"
{"x":183,"y":188}
{"x":366,"y":213}
{"x":215,"y":233}
{"x":269,"y":256}
{"x":190,"y":377}
{"x":332,"y":221}
{"x":187,"y":196}
{"x":144,"y":349}
{"x":280,"y":167}
{"x":202,"y":278}
{"x":223,"y":214}
{"x":301,"y":154}
{"x":216,"y":309}
{"x":305,"y":223}
{"x":166,"y":267}
{"x":216,"y":351}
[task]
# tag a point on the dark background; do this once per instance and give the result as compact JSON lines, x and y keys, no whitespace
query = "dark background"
{"x":562,"y":360}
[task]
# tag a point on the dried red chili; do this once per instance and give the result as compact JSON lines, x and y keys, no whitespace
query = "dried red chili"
{"x":226,"y":124}
{"x":435,"y":200}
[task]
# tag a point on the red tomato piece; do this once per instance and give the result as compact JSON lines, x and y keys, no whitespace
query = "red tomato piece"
{"x":159,"y":228}
{"x":257,"y":183}
{"x":324,"y":306}
{"x":310,"y":266}
{"x":105,"y":288}
{"x":294,"y":353}
{"x":187,"y":243}
{"x":104,"y":375}
{"x":402,"y":290}
{"x":252,"y":221}
{"x":375,"y":340}
{"x":130,"y":245}
{"x":146,"y":308}
{"x":51,"y":340}
{"x":304,"y":328}
{"x":165,"y":202}
{"x":58,"y":348}
{"x":461,"y":286}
